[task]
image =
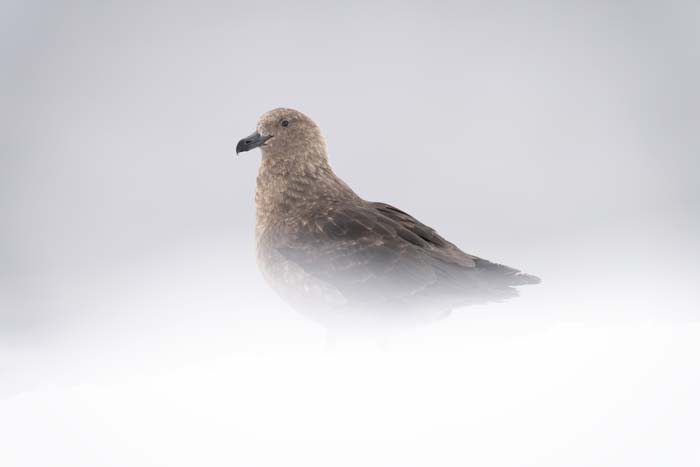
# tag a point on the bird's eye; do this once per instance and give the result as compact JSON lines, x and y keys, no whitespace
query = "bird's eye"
{"x":285,"y":122}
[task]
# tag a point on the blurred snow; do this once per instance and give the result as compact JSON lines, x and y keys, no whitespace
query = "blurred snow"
{"x":191,"y":360}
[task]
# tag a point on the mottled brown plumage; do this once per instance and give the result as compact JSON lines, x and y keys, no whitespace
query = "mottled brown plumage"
{"x":321,"y":246}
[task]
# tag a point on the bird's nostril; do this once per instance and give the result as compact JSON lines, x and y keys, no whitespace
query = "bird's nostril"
{"x":247,"y":141}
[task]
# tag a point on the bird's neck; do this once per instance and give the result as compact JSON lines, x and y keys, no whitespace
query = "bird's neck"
{"x":287,"y":188}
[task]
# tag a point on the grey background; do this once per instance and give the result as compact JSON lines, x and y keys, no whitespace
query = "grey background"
{"x":558,"y":137}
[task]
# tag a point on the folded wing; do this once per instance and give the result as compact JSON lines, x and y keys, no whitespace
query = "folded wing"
{"x":376,"y":253}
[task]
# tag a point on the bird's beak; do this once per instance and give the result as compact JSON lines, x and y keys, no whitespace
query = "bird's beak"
{"x":251,"y":142}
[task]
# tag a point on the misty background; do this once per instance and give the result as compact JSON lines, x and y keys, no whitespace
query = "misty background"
{"x":561,"y":138}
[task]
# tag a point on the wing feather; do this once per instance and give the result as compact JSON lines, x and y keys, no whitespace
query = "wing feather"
{"x":375,"y":252}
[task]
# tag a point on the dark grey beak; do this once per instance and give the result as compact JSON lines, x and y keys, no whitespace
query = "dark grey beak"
{"x":251,"y":142}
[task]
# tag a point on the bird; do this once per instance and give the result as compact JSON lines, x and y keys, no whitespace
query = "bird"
{"x":329,"y":252}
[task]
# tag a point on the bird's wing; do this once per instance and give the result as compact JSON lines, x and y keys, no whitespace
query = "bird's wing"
{"x":450,"y":253}
{"x":374,"y":252}
{"x":426,"y":237}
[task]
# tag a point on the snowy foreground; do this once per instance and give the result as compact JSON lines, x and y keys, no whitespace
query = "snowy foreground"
{"x":187,"y":361}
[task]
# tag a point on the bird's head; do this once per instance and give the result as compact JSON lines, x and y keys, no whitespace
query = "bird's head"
{"x":285,"y":133}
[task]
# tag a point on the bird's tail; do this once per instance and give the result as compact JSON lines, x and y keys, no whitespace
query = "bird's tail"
{"x":521,"y":278}
{"x":504,"y":274}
